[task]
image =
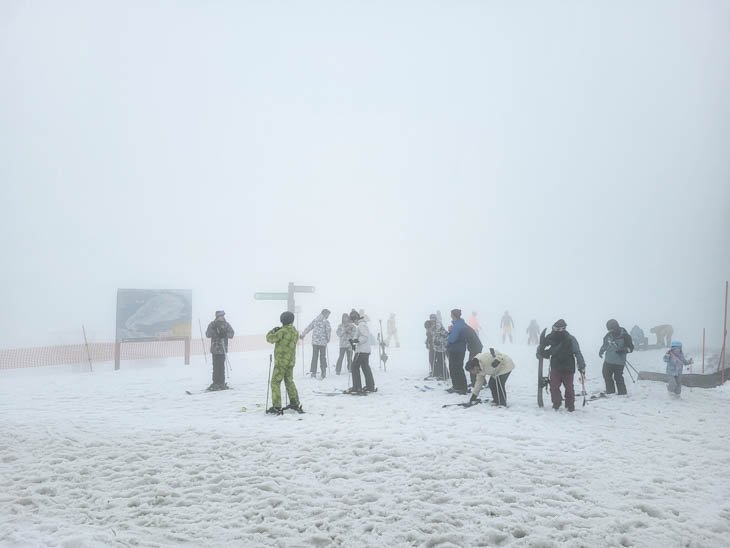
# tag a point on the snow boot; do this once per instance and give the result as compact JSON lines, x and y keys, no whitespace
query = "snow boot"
{"x":275,"y":411}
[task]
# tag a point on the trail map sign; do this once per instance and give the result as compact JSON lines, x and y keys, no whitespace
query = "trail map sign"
{"x":149,"y":314}
{"x":153,"y":315}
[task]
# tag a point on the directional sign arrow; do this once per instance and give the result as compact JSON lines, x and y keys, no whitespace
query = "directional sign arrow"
{"x":271,"y":296}
{"x":303,"y":288}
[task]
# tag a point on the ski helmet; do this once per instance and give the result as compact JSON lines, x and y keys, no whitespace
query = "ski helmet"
{"x":676,"y":344}
{"x":286,"y":318}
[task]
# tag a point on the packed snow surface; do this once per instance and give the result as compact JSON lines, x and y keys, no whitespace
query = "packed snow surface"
{"x":126,"y":458}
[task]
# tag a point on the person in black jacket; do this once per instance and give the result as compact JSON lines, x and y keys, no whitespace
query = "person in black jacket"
{"x":219,"y":331}
{"x":473,"y":346}
{"x":563,"y":350}
{"x":616,"y":344}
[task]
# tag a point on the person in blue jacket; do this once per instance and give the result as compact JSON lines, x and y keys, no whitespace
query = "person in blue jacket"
{"x":456,"y":348}
{"x":675,"y":361}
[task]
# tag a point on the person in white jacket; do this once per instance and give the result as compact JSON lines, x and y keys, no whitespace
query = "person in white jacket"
{"x":362,"y":356}
{"x":497,"y":367}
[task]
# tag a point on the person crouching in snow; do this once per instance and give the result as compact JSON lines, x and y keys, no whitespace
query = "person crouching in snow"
{"x":285,"y":340}
{"x":675,"y":361}
{"x":498,"y":367}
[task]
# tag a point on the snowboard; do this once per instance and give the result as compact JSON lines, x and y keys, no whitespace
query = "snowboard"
{"x":540,"y":373}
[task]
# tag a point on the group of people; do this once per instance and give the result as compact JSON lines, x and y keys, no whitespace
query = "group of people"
{"x":445,"y":345}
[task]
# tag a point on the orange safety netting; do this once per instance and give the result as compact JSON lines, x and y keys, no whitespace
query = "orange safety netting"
{"x":39,"y":356}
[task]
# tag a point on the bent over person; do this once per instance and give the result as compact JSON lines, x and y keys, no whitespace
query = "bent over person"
{"x":284,"y":339}
{"x":219,"y":331}
{"x":497,"y":367}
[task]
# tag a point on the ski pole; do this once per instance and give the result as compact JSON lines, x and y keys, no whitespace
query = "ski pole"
{"x":630,"y":375}
{"x":583,"y":383}
{"x":268,"y":385}
{"x":202,"y":341}
{"x":631,"y":366}
{"x":88,"y":353}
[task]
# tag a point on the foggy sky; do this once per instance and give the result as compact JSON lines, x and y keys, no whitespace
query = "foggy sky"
{"x":557,"y":159}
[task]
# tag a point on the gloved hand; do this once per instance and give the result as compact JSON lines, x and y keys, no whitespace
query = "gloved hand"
{"x":301,"y":337}
{"x":582,"y":370}
{"x":600,"y":355}
{"x":496,"y":363}
{"x":276,"y":329}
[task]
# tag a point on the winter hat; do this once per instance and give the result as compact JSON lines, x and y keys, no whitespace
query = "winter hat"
{"x":432,"y":316}
{"x":286,"y":318}
{"x":325,"y":313}
{"x":612,"y":325}
{"x":354,"y":316}
{"x":220,"y":313}
{"x":471,"y":363}
{"x":456,"y":313}
{"x":560,"y":323}
{"x":676,"y":344}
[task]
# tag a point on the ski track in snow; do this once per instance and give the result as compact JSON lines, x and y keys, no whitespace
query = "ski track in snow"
{"x":128,"y":459}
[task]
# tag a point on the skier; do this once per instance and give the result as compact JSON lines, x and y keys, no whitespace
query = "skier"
{"x":438,"y":337}
{"x":533,"y":332}
{"x":219,"y":331}
{"x":507,"y":325}
{"x":473,"y":322}
{"x":675,"y":361}
{"x":320,"y":337}
{"x":392,"y":331}
{"x":429,"y":343}
{"x":616,"y":344}
{"x":345,"y":331}
{"x":663,"y":334}
{"x":362,"y":356}
{"x":284,"y":339}
{"x":456,"y":348}
{"x":473,"y":345}
{"x":637,"y":335}
{"x":562,"y":349}
{"x":498,"y":367}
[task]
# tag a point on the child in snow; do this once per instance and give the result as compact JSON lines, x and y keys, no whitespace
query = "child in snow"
{"x":497,"y":366}
{"x":284,"y":339}
{"x":675,"y":361}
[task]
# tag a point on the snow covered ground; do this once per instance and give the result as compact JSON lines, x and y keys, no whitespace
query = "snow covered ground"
{"x":128,"y":459}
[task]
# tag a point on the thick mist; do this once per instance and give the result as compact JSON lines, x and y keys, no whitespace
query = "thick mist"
{"x":553,"y":159}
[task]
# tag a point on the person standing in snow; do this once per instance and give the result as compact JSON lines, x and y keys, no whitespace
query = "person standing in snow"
{"x":321,"y":333}
{"x":219,"y":331}
{"x":362,"y":356}
{"x":473,"y":346}
{"x":497,"y":367}
{"x":438,"y":336}
{"x":507,"y":326}
{"x":429,"y":342}
{"x":616,"y":344}
{"x":533,"y":333}
{"x":392,"y":331}
{"x":473,"y":322}
{"x":345,"y":331}
{"x":562,"y":349}
{"x":284,"y":339}
{"x":456,"y":348}
{"x":675,"y":360}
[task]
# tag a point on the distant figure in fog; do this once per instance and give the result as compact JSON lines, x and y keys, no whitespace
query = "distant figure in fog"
{"x":533,"y":332}
{"x":507,"y":326}
{"x":663,"y":334}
